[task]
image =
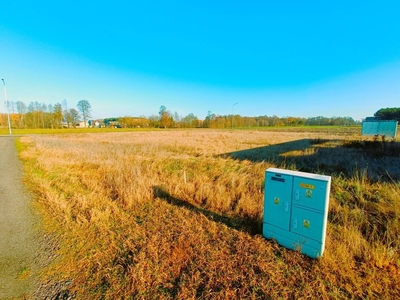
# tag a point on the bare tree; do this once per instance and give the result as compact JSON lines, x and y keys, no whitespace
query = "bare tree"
{"x":21,"y":109}
{"x":73,"y":117}
{"x":166,"y":119}
{"x":177,"y":120}
{"x":190,"y":121}
{"x":57,"y":116}
{"x":85,"y":108}
{"x":153,"y":121}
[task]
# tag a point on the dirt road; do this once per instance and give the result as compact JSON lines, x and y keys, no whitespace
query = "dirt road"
{"x":18,"y":226}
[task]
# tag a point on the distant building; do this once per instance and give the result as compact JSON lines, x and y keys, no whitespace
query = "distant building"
{"x":94,"y":123}
{"x":372,"y":119}
{"x":374,"y":126}
{"x":81,"y":124}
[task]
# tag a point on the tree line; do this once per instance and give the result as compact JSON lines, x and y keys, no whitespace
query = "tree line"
{"x":167,"y":119}
{"x":40,"y":115}
{"x":389,"y":113}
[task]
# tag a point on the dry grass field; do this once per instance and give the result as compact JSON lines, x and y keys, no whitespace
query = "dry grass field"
{"x":178,"y":214}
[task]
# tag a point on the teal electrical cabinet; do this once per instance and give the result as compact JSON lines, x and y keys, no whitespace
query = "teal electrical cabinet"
{"x":296,"y":209}
{"x":379,"y":127}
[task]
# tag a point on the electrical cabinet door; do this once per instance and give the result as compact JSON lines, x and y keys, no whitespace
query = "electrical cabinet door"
{"x":307,"y":223}
{"x":310,"y":193}
{"x":277,"y":202}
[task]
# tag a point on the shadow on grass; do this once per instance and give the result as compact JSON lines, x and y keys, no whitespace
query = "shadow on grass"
{"x":274,"y":152}
{"x":379,"y":158}
{"x":249,"y":225}
{"x":305,"y":155}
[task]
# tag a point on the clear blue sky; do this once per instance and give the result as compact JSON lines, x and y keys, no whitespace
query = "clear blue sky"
{"x":284,"y":58}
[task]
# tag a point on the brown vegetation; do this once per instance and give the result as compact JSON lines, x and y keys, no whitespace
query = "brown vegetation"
{"x":178,"y":214}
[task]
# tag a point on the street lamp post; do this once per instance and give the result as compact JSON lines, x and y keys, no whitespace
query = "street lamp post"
{"x":232,"y":113}
{"x":8,"y":108}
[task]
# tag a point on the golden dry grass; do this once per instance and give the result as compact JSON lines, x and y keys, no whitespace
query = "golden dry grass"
{"x":178,"y":214}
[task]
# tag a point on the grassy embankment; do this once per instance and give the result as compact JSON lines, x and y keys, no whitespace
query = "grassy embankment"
{"x":178,"y":214}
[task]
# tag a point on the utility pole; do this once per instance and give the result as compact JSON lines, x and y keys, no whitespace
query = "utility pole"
{"x":8,"y":107}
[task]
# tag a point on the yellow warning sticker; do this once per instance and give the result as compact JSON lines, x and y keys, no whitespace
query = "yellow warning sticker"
{"x":306,"y":223}
{"x":276,"y":200}
{"x":307,"y":186}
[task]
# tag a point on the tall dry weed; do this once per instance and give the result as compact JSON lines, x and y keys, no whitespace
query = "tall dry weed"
{"x":178,"y":215}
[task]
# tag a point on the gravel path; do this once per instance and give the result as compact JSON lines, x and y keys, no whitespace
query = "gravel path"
{"x":17,"y":226}
{"x":24,"y":248}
